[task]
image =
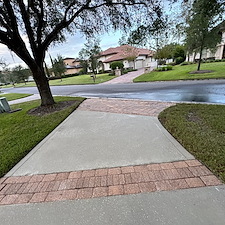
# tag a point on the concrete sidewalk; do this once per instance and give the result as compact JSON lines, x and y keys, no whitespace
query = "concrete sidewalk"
{"x":111,"y":162}
{"x":26,"y":99}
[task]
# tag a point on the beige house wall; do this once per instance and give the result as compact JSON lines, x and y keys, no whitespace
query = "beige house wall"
{"x":218,"y":54}
{"x":72,"y":71}
{"x":140,"y":62}
{"x":71,"y":62}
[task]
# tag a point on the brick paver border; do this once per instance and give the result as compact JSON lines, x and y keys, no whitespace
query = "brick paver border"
{"x":105,"y":182}
{"x":135,"y":107}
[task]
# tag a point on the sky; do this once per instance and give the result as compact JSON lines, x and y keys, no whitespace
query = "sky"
{"x":70,"y":48}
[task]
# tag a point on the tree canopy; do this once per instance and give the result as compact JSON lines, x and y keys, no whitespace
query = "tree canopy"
{"x":202,"y":31}
{"x":29,"y":27}
{"x":88,"y":55}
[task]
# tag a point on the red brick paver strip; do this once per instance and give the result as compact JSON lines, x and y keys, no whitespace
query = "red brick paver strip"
{"x":136,"y":107}
{"x":105,"y":182}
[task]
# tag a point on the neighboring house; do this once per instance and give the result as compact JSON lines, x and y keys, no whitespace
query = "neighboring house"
{"x":219,"y":52}
{"x":131,"y":57}
{"x":72,"y":65}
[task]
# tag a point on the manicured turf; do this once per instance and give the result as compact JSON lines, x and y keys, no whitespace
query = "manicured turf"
{"x":182,"y":73}
{"x":81,"y":79}
{"x":20,"y":132}
{"x":201,"y":130}
{"x":14,"y":96}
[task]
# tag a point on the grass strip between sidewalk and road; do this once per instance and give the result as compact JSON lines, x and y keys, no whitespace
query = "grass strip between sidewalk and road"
{"x":20,"y":132}
{"x":201,"y":130}
{"x":182,"y":73}
{"x":14,"y":96}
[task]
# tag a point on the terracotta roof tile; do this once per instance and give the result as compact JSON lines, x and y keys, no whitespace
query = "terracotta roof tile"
{"x":122,"y":52}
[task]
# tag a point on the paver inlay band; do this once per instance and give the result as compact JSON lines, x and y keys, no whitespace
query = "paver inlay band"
{"x":105,"y":182}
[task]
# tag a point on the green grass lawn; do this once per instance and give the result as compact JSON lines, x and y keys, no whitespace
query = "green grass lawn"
{"x":81,"y":79}
{"x":20,"y":131}
{"x":201,"y":130}
{"x":182,"y":73}
{"x":14,"y":96}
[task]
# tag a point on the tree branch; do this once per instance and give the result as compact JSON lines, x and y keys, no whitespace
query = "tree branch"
{"x":116,"y":3}
{"x":12,"y":17}
{"x":63,"y":24}
{"x":4,"y":38}
{"x":27,"y":24}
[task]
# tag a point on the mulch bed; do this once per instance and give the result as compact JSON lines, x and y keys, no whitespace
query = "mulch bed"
{"x":45,"y":110}
{"x":201,"y":71}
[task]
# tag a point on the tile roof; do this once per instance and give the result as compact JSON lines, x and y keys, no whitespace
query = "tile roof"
{"x":124,"y":51}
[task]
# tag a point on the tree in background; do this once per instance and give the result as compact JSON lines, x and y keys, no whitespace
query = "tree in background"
{"x":89,"y":55}
{"x":201,"y":31}
{"x":58,"y":66}
{"x":151,"y":35}
{"x":171,"y":51}
{"x":45,"y":22}
{"x":131,"y":54}
{"x":19,"y":74}
{"x":116,"y":64}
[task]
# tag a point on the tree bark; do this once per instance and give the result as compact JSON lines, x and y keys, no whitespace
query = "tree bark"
{"x":200,"y":58}
{"x":43,"y":86}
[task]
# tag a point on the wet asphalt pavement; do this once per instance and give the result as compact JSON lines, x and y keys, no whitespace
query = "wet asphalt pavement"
{"x":207,"y":91}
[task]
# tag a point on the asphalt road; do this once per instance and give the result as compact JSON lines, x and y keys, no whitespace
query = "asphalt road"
{"x":211,"y":91}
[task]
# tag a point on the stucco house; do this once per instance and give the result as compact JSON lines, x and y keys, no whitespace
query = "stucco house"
{"x":72,"y":65}
{"x":219,"y":52}
{"x":131,"y":57}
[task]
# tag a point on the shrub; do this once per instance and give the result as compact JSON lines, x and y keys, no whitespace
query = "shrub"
{"x":185,"y":63}
{"x":169,"y":67}
{"x":162,"y":62}
{"x":171,"y":63}
{"x":100,"y":71}
{"x":82,"y":71}
{"x":116,"y":64}
{"x":179,"y":60}
{"x":164,"y":68}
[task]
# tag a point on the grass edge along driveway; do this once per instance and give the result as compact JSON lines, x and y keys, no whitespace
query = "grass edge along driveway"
{"x":182,"y":73}
{"x":201,"y":130}
{"x":20,"y":132}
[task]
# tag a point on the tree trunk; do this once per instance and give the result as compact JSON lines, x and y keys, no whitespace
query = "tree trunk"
{"x":200,"y":58}
{"x":43,"y":86}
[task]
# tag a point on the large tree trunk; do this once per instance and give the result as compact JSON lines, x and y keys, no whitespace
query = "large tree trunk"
{"x":43,"y":86}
